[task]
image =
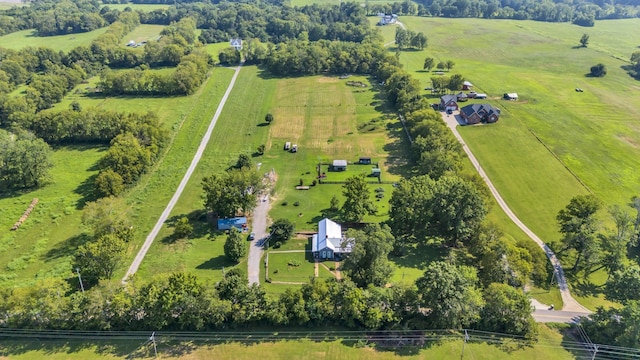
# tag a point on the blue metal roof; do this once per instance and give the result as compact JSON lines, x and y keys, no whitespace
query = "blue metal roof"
{"x":228,"y":223}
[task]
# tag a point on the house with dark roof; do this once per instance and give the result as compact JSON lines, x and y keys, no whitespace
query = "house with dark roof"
{"x":449,"y":102}
{"x":476,"y":113}
{"x":329,"y":243}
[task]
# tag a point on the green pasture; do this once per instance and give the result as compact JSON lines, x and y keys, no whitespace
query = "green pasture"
{"x":337,"y":2}
{"x":5,"y":5}
{"x":141,"y":7}
{"x":215,"y":49}
{"x":143,"y":32}
{"x":553,"y":143}
{"x":25,"y":38}
{"x":43,"y":246}
{"x":552,"y":344}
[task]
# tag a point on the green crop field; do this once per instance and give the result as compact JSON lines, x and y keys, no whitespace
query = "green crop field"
{"x":24,"y":38}
{"x":551,"y":345}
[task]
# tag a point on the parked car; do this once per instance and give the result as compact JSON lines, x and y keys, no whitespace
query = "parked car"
{"x":449,"y":111}
{"x":252,"y":236}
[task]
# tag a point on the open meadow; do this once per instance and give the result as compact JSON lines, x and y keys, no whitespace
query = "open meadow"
{"x":21,"y":39}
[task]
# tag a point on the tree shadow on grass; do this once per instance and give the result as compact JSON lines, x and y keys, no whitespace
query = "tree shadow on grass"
{"x":197,"y":219}
{"x":136,"y":348}
{"x":398,"y":149}
{"x":66,"y":248}
{"x":85,"y":189}
{"x":586,"y":288}
{"x":216,"y":263}
{"x":569,"y":338}
{"x":420,"y":255}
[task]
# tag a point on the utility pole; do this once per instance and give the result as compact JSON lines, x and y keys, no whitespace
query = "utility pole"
{"x":466,"y":338}
{"x":153,"y":341}
{"x":80,"y":279}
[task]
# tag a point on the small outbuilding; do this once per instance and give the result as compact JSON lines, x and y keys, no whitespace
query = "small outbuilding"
{"x":510,"y":96}
{"x":364,"y":161}
{"x":239,"y":223}
{"x":467,"y":85}
{"x":376,"y":172}
{"x":339,"y":165}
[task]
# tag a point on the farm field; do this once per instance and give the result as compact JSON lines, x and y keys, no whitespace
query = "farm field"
{"x":142,"y":7}
{"x":143,"y":32}
{"x":553,"y":143}
{"x":44,"y":245}
{"x":24,"y":38}
{"x":551,"y":345}
{"x":323,"y":120}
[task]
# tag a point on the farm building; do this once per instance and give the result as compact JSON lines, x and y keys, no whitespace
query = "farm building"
{"x":339,"y":165}
{"x":467,"y":85}
{"x":364,"y":161}
{"x":476,"y":113}
{"x":328,"y":243}
{"x":510,"y":96}
{"x":239,"y":223}
{"x":449,"y":102}
{"x":376,"y":172}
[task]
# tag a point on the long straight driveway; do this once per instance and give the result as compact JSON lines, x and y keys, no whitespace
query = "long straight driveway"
{"x":194,"y":162}
{"x":570,"y":304}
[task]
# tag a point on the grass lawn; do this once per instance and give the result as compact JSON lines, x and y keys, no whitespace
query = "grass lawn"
{"x":550,"y":346}
{"x":290,"y":267}
{"x":215,"y":49}
{"x":24,"y":38}
{"x":143,"y":32}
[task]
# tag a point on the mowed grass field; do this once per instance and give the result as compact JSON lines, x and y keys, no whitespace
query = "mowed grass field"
{"x":25,"y":38}
{"x":142,"y":7}
{"x":550,"y":346}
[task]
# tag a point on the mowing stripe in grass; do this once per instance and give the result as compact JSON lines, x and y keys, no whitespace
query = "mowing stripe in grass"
{"x":194,"y":162}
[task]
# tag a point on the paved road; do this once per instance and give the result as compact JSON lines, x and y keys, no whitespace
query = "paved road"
{"x":260,"y":229}
{"x":545,"y":316}
{"x":194,"y":162}
{"x":570,"y":304}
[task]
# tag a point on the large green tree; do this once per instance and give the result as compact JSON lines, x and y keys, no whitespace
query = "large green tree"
{"x":107,"y":216}
{"x":98,"y":259}
{"x":578,"y":226}
{"x":507,"y":310}
{"x":624,"y":284}
{"x":358,"y":202}
{"x":235,"y":247}
{"x":24,"y":160}
{"x":281,"y":231}
{"x":127,"y":157}
{"x":228,"y":192}
{"x":451,"y":294}
{"x":368,"y":263}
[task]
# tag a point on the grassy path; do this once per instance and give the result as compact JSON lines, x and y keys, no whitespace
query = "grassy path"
{"x":194,"y":162}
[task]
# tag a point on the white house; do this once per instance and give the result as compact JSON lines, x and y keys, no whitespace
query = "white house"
{"x":328,"y":243}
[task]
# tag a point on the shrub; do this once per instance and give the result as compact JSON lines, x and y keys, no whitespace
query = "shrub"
{"x":313,"y":183}
{"x":379,"y":190}
{"x":285,"y":203}
{"x":380,"y":195}
{"x":294,"y":263}
{"x":275,"y":271}
{"x":297,"y":203}
{"x":277,"y":245}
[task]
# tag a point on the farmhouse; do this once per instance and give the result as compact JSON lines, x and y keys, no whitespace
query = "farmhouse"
{"x":328,"y":243}
{"x":449,"y":102}
{"x":339,"y":165}
{"x":239,"y":223}
{"x":467,"y":85}
{"x":510,"y":96}
{"x":476,"y":113}
{"x":236,"y":43}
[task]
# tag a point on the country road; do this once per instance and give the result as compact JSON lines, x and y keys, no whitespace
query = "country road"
{"x":194,"y":162}
{"x":570,"y":304}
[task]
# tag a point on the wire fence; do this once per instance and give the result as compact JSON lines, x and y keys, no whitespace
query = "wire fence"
{"x":582,"y":349}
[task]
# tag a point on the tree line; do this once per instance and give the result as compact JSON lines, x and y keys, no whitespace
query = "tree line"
{"x":24,"y":160}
